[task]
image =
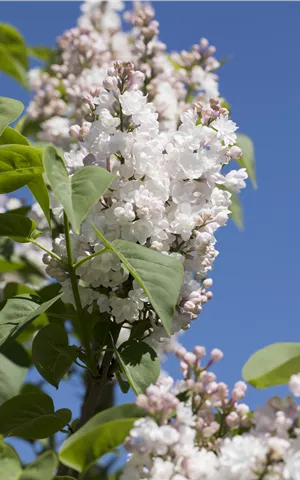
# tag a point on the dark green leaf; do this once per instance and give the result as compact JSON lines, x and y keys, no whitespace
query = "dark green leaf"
{"x":124,"y":386}
{"x":12,"y":289}
{"x":51,"y":353}
{"x":160,"y":276}
{"x":101,"y":434}
{"x":11,"y":136}
{"x":139,"y":363}
{"x":10,"y":462}
{"x":19,"y":165}
{"x":101,"y":332}
{"x":17,"y":354}
{"x":11,"y":378}
{"x":43,"y":468}
{"x":32,"y":416}
{"x":248,"y":159}
{"x":17,"y":313}
{"x":272,"y":365}
{"x":30,"y":388}
{"x":10,"y":110}
{"x":16,"y":227}
{"x":78,"y":193}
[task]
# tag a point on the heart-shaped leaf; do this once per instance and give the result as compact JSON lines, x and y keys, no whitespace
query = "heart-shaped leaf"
{"x":248,"y":159}
{"x":52,"y":354}
{"x":32,"y":416}
{"x":272,"y":365}
{"x":11,"y":378}
{"x":18,"y":313}
{"x":43,"y":468}
{"x":10,"y":110}
{"x":78,"y":193}
{"x":11,"y":136}
{"x":19,"y":165}
{"x":17,"y":227}
{"x":160,"y":276}
{"x":139,"y":363}
{"x":100,"y":435}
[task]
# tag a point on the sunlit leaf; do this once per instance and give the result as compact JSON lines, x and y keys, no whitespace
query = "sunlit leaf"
{"x":78,"y":193}
{"x":272,"y":365}
{"x":160,"y":276}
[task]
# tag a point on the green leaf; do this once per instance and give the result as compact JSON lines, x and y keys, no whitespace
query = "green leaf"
{"x":16,"y":227}
{"x":43,"y":468}
{"x":10,"y":462}
{"x":124,"y":386}
{"x":51,"y":353}
{"x":10,"y":110}
{"x":45,"y":54}
{"x":39,"y":190}
{"x":12,"y":67}
{"x":11,"y":136}
{"x":32,"y":416}
{"x":160,"y":276}
{"x":18,"y":313}
{"x":101,"y":434}
{"x":12,"y":39}
{"x":19,"y":165}
{"x":102,"y":330}
{"x":272,"y":365}
{"x":236,"y":211}
{"x":10,"y":265}
{"x":139,"y":363}
{"x":78,"y":193}
{"x":13,"y":53}
{"x":17,"y":354}
{"x":248,"y":159}
{"x":64,"y":477}
{"x":11,"y":378}
{"x":12,"y":289}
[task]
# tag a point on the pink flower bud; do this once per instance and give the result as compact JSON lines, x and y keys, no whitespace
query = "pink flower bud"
{"x":216,"y":355}
{"x":232,"y":420}
{"x":199,"y":351}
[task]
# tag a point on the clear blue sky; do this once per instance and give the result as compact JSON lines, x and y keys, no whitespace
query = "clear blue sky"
{"x":256,"y":289}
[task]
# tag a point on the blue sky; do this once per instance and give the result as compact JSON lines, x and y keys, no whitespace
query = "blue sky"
{"x":256,"y":288}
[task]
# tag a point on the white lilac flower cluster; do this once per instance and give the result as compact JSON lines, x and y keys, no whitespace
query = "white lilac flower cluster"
{"x":85,"y":53}
{"x":166,"y":196}
{"x":196,"y":429}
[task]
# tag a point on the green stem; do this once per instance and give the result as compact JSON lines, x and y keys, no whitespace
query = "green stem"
{"x":73,"y":278}
{"x":86,"y":259}
{"x":52,"y":254}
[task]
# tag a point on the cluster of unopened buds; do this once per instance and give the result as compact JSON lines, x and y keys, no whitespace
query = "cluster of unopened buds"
{"x":85,"y":54}
{"x":196,"y":430}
